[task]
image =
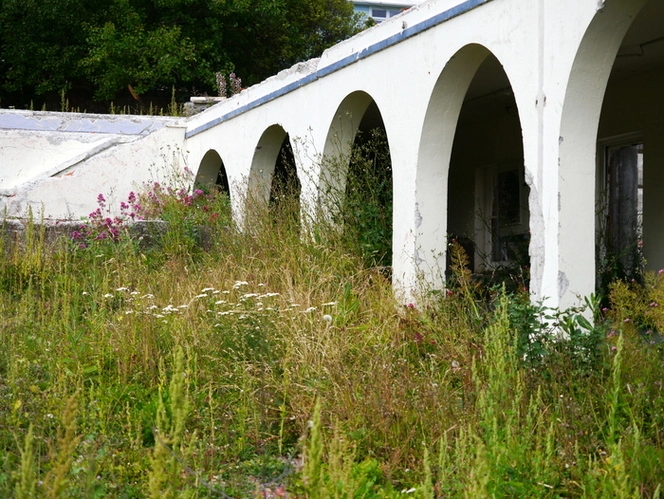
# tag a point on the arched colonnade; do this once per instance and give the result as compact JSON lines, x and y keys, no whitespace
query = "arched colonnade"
{"x":496,"y":113}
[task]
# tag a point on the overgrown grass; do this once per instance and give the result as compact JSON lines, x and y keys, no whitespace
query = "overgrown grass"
{"x":261,"y":364}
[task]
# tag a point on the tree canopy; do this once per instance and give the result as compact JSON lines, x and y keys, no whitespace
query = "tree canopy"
{"x":102,"y":50}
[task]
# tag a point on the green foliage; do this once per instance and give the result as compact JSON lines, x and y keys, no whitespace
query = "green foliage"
{"x":49,"y":32}
{"x":545,"y":335}
{"x":360,"y":195}
{"x":129,"y":55}
{"x":90,"y":49}
{"x":26,"y":483}
{"x":636,"y":307}
{"x":165,"y":477}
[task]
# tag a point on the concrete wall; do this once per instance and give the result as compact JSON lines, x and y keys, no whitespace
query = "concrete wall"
{"x":56,"y":164}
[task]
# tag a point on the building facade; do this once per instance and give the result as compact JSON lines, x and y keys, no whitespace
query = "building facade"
{"x":380,"y":10}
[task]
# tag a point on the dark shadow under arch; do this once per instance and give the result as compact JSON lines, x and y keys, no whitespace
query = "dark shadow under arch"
{"x":273,"y":180}
{"x":368,"y":193}
{"x":212,"y":172}
{"x":488,"y":196}
{"x":285,"y":187}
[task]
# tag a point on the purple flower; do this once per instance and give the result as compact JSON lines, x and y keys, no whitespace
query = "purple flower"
{"x":76,"y":235}
{"x":132,"y":197}
{"x":198,"y":192}
{"x":654,"y":304}
{"x":101,"y":200}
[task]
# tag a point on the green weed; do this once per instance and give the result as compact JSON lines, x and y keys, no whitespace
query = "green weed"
{"x":263,"y":363}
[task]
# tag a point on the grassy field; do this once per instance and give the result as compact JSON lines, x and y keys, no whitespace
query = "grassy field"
{"x":215,"y":362}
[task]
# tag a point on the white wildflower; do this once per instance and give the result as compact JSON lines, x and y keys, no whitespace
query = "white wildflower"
{"x":246,"y":296}
{"x":327,"y":318}
{"x":239,"y":284}
{"x":108,"y":295}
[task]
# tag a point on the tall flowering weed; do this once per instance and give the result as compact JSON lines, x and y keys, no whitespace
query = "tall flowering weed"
{"x":638,"y":306}
{"x":102,"y":225}
{"x":169,"y":203}
{"x":154,"y":202}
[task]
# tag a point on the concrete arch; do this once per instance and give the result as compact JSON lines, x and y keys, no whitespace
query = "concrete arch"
{"x":263,"y":164}
{"x":433,"y":161}
{"x":580,"y":117}
{"x":212,"y":172}
{"x":337,"y":148}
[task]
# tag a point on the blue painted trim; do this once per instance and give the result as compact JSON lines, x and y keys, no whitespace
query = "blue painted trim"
{"x":342,"y":63}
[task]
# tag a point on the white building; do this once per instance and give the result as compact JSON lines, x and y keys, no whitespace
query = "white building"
{"x":380,"y":10}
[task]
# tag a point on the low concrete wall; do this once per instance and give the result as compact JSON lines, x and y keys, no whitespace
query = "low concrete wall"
{"x":147,"y":233}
